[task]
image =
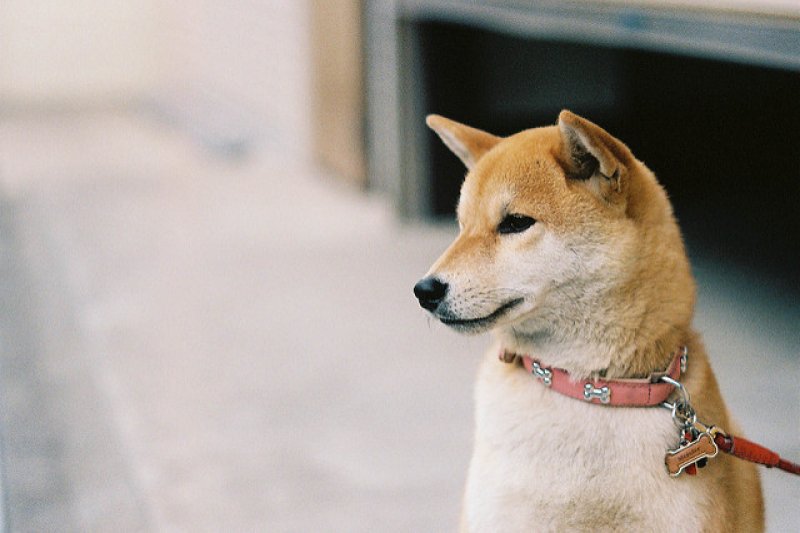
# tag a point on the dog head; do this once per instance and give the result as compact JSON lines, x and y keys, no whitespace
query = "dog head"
{"x":566,"y":240}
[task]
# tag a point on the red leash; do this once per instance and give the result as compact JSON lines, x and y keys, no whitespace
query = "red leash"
{"x":755,"y":453}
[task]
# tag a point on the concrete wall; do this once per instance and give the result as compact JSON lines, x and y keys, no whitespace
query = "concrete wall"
{"x":245,"y":62}
{"x":81,"y":52}
{"x":236,"y":69}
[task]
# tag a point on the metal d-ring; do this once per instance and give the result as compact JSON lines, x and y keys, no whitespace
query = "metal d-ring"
{"x":683,"y":413}
{"x":678,"y":385}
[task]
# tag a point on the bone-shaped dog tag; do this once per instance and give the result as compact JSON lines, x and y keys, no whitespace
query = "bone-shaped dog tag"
{"x":688,"y":454}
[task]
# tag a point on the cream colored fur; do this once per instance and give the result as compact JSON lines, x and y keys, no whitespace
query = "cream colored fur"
{"x":599,"y":285}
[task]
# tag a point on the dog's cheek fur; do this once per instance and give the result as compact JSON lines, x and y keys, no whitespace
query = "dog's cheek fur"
{"x":525,"y":266}
{"x":582,"y":265}
{"x":532,"y":265}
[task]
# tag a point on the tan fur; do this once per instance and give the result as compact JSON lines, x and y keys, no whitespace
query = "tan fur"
{"x":599,"y":285}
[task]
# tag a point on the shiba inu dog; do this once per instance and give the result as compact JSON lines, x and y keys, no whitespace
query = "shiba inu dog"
{"x":569,"y":252}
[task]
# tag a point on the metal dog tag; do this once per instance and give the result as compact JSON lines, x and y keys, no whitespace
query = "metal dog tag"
{"x":688,"y":454}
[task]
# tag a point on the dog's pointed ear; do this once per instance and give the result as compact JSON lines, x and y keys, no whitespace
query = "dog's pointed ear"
{"x":591,"y":154}
{"x":469,"y":144}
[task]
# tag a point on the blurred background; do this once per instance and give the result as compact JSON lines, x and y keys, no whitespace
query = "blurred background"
{"x":212,"y":214}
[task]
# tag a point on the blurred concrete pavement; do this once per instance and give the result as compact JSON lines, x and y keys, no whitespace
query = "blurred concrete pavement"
{"x":198,"y":344}
{"x":210,"y":345}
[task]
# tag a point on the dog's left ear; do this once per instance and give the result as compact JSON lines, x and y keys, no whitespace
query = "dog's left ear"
{"x":468,"y":143}
{"x":592,"y":155}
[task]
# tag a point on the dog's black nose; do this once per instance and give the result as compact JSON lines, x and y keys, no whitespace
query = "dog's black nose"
{"x":430,"y":291}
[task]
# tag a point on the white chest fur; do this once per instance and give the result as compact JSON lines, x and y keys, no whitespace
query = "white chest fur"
{"x":545,"y":462}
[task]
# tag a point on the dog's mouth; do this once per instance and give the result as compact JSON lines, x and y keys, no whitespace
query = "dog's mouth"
{"x":468,"y":324}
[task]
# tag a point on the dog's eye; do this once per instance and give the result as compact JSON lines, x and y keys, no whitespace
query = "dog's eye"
{"x":515,"y":224}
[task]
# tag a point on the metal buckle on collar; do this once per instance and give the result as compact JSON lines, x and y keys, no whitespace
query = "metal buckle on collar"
{"x":590,"y":392}
{"x":543,"y":374}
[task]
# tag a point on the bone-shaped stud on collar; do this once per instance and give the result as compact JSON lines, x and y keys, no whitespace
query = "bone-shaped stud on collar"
{"x":590,"y":392}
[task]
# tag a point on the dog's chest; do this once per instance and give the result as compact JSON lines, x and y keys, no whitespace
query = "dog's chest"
{"x":543,"y":462}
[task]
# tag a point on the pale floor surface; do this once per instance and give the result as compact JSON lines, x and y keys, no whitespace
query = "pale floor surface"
{"x":191,"y":344}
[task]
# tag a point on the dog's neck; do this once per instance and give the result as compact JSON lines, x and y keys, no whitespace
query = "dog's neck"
{"x":589,"y":348}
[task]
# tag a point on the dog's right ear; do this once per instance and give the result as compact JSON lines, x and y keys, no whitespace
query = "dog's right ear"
{"x":469,"y":144}
{"x":593,"y":156}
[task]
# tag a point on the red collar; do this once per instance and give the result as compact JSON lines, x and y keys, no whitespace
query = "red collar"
{"x":642,"y":392}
